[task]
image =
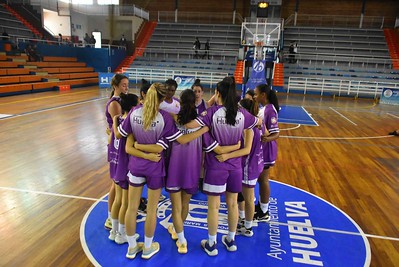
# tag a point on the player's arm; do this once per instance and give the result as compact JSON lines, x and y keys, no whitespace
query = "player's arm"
{"x":248,"y":138}
{"x":149,"y":148}
{"x":210,"y":102}
{"x":185,"y":138}
{"x":268,"y":138}
{"x":226,"y":149}
{"x":137,"y":153}
{"x":115,"y":125}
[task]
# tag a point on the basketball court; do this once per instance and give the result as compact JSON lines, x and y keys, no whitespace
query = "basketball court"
{"x":328,"y":186}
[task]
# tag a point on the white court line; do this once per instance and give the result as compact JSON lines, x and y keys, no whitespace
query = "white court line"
{"x":54,"y":108}
{"x":83,"y":236}
{"x":343,"y":116}
{"x":102,"y":200}
{"x":2,"y":116}
{"x":51,"y":194}
{"x":392,"y":115}
{"x":309,"y":115}
{"x":336,"y":138}
{"x":292,"y":128}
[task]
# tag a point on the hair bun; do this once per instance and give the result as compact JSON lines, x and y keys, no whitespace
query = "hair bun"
{"x":197,"y":81}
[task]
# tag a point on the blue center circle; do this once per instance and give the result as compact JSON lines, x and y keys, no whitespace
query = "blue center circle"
{"x":304,"y":230}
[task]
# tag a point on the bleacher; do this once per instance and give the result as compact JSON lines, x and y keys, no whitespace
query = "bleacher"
{"x":171,"y":48}
{"x":337,"y":56}
{"x":339,"y":46}
{"x":19,"y":76}
{"x":13,"y":26}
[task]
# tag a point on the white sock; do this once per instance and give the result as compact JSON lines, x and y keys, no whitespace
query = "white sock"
{"x":264,"y":206}
{"x":241,"y":213}
{"x":132,"y":241}
{"x":147,"y":241}
{"x":181,"y":237}
{"x":109,"y":215}
{"x":122,"y":229}
{"x":248,"y":224}
{"x":115,"y":224}
{"x":231,"y":235}
{"x":211,"y":239}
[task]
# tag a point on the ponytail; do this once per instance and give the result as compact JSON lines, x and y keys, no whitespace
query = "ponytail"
{"x":270,"y":95}
{"x":187,"y":111}
{"x":228,"y":94}
{"x":152,"y":101}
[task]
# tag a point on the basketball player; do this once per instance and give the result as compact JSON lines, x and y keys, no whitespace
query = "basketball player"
{"x":200,"y":104}
{"x":119,"y":172}
{"x":270,"y":132}
{"x":119,"y":84}
{"x":226,"y":122}
{"x":171,"y":104}
{"x":252,"y":162}
{"x":147,"y":124}
{"x":182,"y":182}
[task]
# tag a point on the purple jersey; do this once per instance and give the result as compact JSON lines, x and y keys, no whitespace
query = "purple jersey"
{"x":253,"y":162}
{"x":185,"y":163}
{"x":201,"y":107}
{"x":173,"y":107}
{"x":270,"y":122}
{"x":224,"y":134}
{"x":107,"y":115}
{"x":122,"y":158}
{"x":162,"y":128}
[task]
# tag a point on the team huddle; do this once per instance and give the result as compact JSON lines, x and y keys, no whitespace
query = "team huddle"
{"x":165,"y":142}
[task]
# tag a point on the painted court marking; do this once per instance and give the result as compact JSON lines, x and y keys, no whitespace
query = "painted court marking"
{"x":310,"y":115}
{"x":292,"y":128}
{"x":280,"y":223}
{"x":343,"y":116}
{"x":392,"y":115}
{"x":2,"y":116}
{"x":336,"y":138}
{"x":295,"y":115}
{"x":53,"y":108}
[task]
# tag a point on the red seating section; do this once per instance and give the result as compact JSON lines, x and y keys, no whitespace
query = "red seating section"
{"x":392,"y":38}
{"x":141,"y":43}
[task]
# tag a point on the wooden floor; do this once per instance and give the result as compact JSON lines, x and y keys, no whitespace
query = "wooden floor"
{"x":54,"y":151}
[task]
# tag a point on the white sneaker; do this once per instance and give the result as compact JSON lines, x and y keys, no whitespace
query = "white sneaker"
{"x":120,"y":239}
{"x":112,"y":235}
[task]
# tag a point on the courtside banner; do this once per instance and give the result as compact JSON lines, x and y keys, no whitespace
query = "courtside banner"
{"x":184,"y":82}
{"x":104,"y":79}
{"x":257,"y":75}
{"x":390,"y":96}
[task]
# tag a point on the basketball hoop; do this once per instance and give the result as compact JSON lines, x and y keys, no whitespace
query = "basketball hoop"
{"x":259,"y":43}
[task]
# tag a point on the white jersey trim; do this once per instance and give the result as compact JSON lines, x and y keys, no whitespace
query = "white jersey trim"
{"x":211,"y":147}
{"x":200,"y":122}
{"x":214,"y":188}
{"x":174,"y":136}
{"x":254,"y":124}
{"x":121,"y":131}
{"x":250,"y":182}
{"x":136,"y":180}
{"x":162,"y":144}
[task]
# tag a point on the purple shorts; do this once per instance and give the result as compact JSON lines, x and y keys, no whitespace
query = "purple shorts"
{"x":190,"y":191}
{"x":138,"y":180}
{"x":123,"y":184}
{"x":217,"y":182}
{"x":112,"y":170}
